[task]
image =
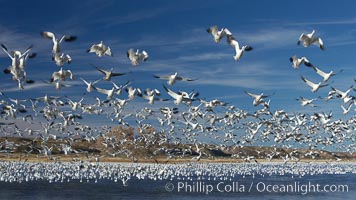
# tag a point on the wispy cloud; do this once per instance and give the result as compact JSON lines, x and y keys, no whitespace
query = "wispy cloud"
{"x":15,"y":40}
{"x":325,"y":22}
{"x":131,"y":17}
{"x":271,"y":38}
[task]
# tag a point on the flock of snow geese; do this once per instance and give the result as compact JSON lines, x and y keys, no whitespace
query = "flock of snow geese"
{"x":82,"y":172}
{"x":190,"y":120}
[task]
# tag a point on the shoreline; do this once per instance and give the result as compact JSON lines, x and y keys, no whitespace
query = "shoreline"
{"x":66,"y":158}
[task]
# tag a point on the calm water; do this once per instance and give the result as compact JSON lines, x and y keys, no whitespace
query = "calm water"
{"x":237,"y":188}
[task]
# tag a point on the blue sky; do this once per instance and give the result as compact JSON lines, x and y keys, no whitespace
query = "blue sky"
{"x":174,"y":34}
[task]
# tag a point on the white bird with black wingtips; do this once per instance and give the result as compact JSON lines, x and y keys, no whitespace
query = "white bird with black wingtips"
{"x":238,"y":51}
{"x":304,"y":101}
{"x":90,"y":85}
{"x":314,"y":86}
{"x":218,"y":35}
{"x":344,"y":95}
{"x":109,"y":92}
{"x":108,"y":73}
{"x":179,"y":97}
{"x":326,"y":76}
{"x":257,"y":98}
{"x":151,"y":96}
{"x":171,"y":79}
{"x":62,"y":58}
{"x":17,"y":58}
{"x":298,"y":61}
{"x":100,"y":49}
{"x":346,"y":110}
{"x":56,"y":48}
{"x":62,"y":75}
{"x":310,"y":38}
{"x":137,"y":57}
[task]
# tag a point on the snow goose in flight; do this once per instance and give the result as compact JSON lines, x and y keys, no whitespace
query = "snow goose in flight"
{"x":18,"y":73}
{"x":90,"y":85}
{"x":100,"y":49}
{"x":238,"y":51}
{"x":151,"y":96}
{"x":171,"y":79}
{"x":218,"y":35}
{"x":346,"y":110}
{"x":108,"y":74}
{"x":60,"y":59}
{"x":304,"y":102}
{"x":17,"y":58}
{"x":56,"y":42}
{"x":136,"y":57}
{"x":132,"y":92}
{"x":62,"y":75}
{"x":179,"y":97}
{"x":314,"y":86}
{"x":326,"y":76}
{"x":344,"y":95}
{"x":308,"y":39}
{"x":257,"y":98}
{"x":110,"y":93}
{"x":298,"y":61}
{"x":121,"y":87}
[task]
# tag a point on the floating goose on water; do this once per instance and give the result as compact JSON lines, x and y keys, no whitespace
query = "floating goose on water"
{"x":171,"y":79}
{"x":298,"y":61}
{"x":100,"y":49}
{"x":218,"y":35}
{"x":308,"y":39}
{"x":314,"y":86}
{"x":56,"y":42}
{"x":238,"y":51}
{"x":136,"y":57}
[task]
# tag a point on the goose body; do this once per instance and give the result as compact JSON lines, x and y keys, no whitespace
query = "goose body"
{"x":137,"y":57}
{"x":238,"y":51}
{"x":344,"y":95}
{"x":62,"y":75}
{"x":257,"y":98}
{"x":171,"y":79}
{"x":298,"y":61}
{"x":304,"y":102}
{"x":90,"y":85}
{"x":100,"y":49}
{"x":218,"y":34}
{"x":307,"y":39}
{"x":61,"y":59}
{"x":179,"y":97}
{"x":314,"y":86}
{"x":326,"y":76}
{"x":109,"y":73}
{"x":56,"y":42}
